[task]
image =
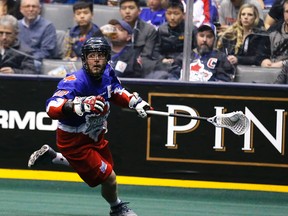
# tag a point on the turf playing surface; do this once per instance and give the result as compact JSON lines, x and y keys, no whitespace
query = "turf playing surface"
{"x":51,"y":198}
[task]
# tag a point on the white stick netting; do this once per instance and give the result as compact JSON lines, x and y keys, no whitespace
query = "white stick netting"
{"x":235,"y":121}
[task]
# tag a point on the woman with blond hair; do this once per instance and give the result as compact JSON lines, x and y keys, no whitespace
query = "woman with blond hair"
{"x":241,"y":41}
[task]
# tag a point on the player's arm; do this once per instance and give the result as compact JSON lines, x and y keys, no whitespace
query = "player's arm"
{"x":124,"y":98}
{"x":58,"y":108}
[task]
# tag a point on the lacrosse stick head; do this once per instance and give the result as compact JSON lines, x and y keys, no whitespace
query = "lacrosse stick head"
{"x":237,"y":122}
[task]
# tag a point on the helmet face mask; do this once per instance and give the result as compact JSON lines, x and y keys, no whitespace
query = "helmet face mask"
{"x":95,"y":45}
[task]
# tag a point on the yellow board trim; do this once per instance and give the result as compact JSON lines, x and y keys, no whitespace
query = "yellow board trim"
{"x":140,"y":181}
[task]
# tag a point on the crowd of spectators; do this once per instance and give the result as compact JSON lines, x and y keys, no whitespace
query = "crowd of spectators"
{"x":149,"y":40}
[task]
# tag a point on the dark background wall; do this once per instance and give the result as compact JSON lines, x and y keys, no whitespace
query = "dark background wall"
{"x":138,"y":145}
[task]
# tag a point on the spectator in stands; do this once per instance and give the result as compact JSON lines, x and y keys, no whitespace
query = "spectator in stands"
{"x":84,"y":29}
{"x":103,"y":2}
{"x":242,"y":40}
{"x":11,"y":7}
{"x":278,"y":50}
{"x":275,"y":14}
{"x":144,"y":35}
{"x":170,"y":38}
{"x":154,"y":13}
{"x":282,"y":77}
{"x":203,"y":11}
{"x":229,"y":9}
{"x":36,"y":32}
{"x":13,"y":55}
{"x":207,"y":64}
{"x":124,"y":58}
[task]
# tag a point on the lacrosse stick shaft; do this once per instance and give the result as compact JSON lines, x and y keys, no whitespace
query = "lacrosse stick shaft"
{"x":154,"y":112}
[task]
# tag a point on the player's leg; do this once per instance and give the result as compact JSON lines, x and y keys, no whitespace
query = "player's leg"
{"x":110,"y":194}
{"x":47,"y":155}
{"x":109,"y":189}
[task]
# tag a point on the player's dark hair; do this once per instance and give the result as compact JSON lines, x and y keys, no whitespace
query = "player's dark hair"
{"x":83,"y":4}
{"x":175,"y":4}
{"x":137,"y":2}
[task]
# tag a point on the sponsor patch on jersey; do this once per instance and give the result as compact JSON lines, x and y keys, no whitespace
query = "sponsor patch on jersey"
{"x":103,"y":167}
{"x":61,"y":93}
{"x":70,"y":78}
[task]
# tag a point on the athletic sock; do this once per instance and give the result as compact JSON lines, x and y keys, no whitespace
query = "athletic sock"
{"x":115,"y":203}
{"x":60,"y":159}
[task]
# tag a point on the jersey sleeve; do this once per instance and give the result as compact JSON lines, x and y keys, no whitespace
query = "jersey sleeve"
{"x":66,"y":90}
{"x":119,"y":95}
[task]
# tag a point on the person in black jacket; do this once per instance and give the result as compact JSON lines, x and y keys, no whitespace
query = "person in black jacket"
{"x":277,"y":53}
{"x":243,"y":40}
{"x":14,"y":56}
{"x":170,"y":37}
{"x":206,"y":63}
{"x":275,"y":14}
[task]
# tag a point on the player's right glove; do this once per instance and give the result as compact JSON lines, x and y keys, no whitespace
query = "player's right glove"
{"x":91,"y":104}
{"x":139,"y":105}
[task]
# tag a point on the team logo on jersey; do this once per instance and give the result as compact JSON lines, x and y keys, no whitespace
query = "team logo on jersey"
{"x":70,"y":78}
{"x":198,"y":72}
{"x":211,"y":63}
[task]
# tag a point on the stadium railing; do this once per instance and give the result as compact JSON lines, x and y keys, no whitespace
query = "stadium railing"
{"x":244,"y":73}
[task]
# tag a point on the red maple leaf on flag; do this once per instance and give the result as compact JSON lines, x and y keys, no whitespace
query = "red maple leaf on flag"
{"x":195,"y":67}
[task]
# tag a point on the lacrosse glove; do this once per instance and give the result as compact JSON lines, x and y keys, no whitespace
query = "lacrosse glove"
{"x":91,"y":104}
{"x":138,"y":104}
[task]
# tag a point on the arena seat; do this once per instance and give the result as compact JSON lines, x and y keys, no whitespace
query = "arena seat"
{"x":63,"y":18}
{"x":61,"y":15}
{"x":60,"y":43}
{"x":103,"y":13}
{"x":256,"y":74}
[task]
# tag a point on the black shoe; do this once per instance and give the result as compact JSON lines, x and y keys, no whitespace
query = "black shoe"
{"x":122,"y":210}
{"x":44,"y":154}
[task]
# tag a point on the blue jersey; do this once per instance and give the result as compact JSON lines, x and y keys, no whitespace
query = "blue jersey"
{"x":156,"y":18}
{"x":81,"y":84}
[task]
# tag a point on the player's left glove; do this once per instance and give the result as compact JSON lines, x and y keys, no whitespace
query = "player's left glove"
{"x":91,"y":104}
{"x":139,"y":105}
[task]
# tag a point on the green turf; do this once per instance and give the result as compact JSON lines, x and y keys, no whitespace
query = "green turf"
{"x":51,"y":198}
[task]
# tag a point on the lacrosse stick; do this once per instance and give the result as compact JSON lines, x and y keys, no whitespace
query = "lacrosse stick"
{"x":237,"y":122}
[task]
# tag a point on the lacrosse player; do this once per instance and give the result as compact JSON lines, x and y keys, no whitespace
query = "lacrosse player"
{"x":81,"y":104}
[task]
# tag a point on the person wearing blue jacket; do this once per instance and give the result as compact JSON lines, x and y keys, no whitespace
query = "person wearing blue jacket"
{"x":36,"y":32}
{"x":83,"y":30}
